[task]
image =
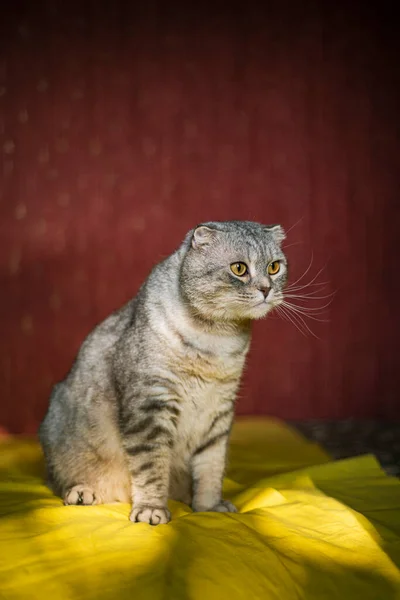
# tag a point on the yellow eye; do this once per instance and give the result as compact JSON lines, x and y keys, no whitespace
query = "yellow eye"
{"x":274,"y":267}
{"x":239,"y":269}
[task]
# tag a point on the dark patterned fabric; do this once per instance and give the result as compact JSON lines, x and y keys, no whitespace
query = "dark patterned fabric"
{"x":123,"y":124}
{"x":348,"y":438}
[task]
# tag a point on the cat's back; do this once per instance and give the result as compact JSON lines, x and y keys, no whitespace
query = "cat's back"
{"x":95,"y":355}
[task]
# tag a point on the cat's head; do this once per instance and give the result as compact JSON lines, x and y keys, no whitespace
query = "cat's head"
{"x":234,"y":270}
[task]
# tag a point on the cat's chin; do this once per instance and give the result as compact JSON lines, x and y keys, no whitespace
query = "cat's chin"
{"x":261,"y":310}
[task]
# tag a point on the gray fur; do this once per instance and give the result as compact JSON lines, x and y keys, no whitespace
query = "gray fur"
{"x":146,"y":410}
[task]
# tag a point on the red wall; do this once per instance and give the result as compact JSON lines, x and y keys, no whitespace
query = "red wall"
{"x":122,"y":127}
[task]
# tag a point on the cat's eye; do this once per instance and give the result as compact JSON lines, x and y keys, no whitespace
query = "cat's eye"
{"x":239,"y":269}
{"x":274,"y":267}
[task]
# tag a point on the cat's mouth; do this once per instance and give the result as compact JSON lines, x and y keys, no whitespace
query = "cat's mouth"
{"x":264,"y":305}
{"x":264,"y":302}
{"x":269,"y":302}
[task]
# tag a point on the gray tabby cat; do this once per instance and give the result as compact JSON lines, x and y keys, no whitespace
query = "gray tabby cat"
{"x":145,"y":413}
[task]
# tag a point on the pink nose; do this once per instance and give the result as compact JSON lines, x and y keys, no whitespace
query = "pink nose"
{"x":265,"y":291}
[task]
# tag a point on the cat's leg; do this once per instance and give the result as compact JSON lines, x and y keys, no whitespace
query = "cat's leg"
{"x":180,"y":485}
{"x":148,"y":441}
{"x":208,"y":466}
{"x":84,"y":460}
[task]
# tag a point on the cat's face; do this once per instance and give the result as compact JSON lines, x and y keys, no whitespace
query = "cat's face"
{"x":234,"y":270}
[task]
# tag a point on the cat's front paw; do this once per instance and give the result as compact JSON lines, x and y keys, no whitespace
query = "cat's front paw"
{"x":80,"y":494}
{"x":154,"y":515}
{"x":224,"y":506}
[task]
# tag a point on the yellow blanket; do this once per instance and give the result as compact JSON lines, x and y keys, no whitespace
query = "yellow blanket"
{"x":307,"y":529}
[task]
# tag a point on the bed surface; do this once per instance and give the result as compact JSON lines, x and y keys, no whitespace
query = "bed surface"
{"x":308,"y":528}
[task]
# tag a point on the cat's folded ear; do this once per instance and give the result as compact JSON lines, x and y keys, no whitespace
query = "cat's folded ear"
{"x":202,"y":236}
{"x":277,"y":232}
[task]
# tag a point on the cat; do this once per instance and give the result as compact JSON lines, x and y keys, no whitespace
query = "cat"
{"x":146,"y":411}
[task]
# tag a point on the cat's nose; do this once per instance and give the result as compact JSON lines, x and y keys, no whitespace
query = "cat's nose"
{"x":265,"y":290}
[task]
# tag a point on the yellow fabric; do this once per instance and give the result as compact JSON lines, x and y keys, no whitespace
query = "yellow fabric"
{"x":307,"y":529}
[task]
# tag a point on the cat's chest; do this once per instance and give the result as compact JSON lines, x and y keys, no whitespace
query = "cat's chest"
{"x":203,"y":372}
{"x":207,"y":361}
{"x":198,"y":410}
{"x":206,"y":389}
{"x":207,"y":374}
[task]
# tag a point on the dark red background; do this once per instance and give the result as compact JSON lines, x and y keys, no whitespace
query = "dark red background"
{"x":124,"y":124}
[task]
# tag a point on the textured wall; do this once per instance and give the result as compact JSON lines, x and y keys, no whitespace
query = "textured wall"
{"x":122,"y":127}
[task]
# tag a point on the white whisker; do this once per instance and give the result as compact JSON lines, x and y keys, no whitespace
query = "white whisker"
{"x":309,"y":296}
{"x":290,"y":245}
{"x":298,"y":310}
{"x":306,"y":271}
{"x":287,"y":318}
{"x":295,"y":288}
{"x":312,"y":310}
{"x":298,"y":317}
{"x":295,"y":225}
{"x":317,"y":275}
{"x":296,"y":321}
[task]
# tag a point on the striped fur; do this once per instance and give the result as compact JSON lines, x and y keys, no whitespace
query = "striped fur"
{"x":145,"y":413}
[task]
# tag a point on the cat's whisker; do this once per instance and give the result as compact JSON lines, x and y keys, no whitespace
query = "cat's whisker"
{"x":298,"y":310}
{"x":299,"y":318}
{"x":307,"y":314}
{"x":296,"y":288}
{"x":282,"y":315}
{"x":295,"y":225}
{"x":287,"y":318}
{"x":305,"y":286}
{"x":290,"y":245}
{"x":297,"y":322}
{"x":309,"y":296}
{"x":317,"y":275}
{"x":306,"y":271}
{"x":312,"y":310}
{"x":310,"y":283}
{"x":309,"y":309}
